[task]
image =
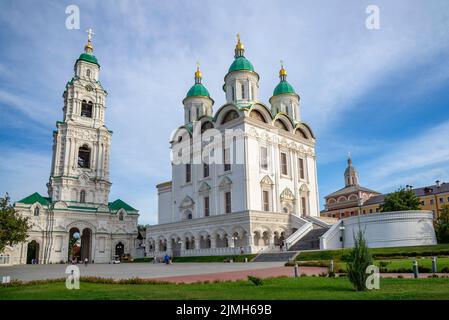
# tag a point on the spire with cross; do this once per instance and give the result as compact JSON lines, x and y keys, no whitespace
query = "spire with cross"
{"x":239,"y":48}
{"x":198,"y":74}
{"x":282,"y":72}
{"x":88,"y":48}
{"x":90,"y":33}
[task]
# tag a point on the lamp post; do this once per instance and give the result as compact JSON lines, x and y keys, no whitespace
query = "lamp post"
{"x":234,"y":240}
{"x":342,"y":237}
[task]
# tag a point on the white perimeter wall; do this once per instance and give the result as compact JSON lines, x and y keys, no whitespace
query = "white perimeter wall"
{"x":386,"y":229}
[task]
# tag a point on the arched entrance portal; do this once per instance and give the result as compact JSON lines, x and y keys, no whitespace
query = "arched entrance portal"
{"x":86,"y":244}
{"x":33,"y":252}
{"x":80,"y":244}
{"x":74,"y":251}
{"x":119,"y":250}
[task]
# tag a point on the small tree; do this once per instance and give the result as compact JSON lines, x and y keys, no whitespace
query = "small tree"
{"x":442,"y":225}
{"x":359,"y":260}
{"x":401,"y":200}
{"x":13,"y":227}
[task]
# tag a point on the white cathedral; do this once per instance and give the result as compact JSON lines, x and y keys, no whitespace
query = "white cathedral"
{"x":229,"y":206}
{"x":77,"y":220}
{"x":244,"y":180}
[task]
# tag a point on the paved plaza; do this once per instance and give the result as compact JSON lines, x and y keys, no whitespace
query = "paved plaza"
{"x":177,"y":273}
{"x":131,"y":270}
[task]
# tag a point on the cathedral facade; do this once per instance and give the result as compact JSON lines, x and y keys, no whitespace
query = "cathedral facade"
{"x":76,"y":220}
{"x":244,"y":178}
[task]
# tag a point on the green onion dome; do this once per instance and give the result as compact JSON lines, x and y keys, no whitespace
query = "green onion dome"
{"x":198,"y":90}
{"x":283,"y":87}
{"x":241,"y":63}
{"x":88,"y":58}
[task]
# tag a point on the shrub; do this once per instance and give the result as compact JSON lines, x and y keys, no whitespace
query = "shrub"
{"x":424,"y":269}
{"x":146,"y":259}
{"x":360,"y":259}
{"x":255,"y":280}
{"x":323,"y":274}
{"x":400,"y":276}
{"x":445,"y":270}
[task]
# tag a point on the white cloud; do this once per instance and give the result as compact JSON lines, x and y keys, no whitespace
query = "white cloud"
{"x":148,"y":51}
{"x":423,"y":158}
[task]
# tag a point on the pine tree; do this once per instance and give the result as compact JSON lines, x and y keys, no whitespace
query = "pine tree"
{"x":359,"y":260}
{"x":442,"y":225}
{"x":13,"y":227}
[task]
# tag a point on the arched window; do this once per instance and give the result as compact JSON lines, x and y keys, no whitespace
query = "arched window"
{"x":231,"y":115}
{"x":257,"y":115}
{"x":83,"y":196}
{"x":36,"y":211}
{"x":84,"y":157}
{"x":88,"y":73}
{"x":188,"y":215}
{"x":301,"y":133}
{"x":86,"y":109}
{"x":120,"y":216}
{"x":206,"y":125}
{"x":281,"y":125}
{"x":243,"y":91}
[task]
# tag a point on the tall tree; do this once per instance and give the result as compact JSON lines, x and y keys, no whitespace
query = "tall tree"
{"x":401,"y":200}
{"x":359,"y":260}
{"x":442,"y":225}
{"x":13,"y":227}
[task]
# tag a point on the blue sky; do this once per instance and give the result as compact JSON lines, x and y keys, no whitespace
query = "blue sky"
{"x":380,"y":94}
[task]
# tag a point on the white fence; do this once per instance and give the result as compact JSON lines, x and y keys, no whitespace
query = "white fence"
{"x":4,"y":259}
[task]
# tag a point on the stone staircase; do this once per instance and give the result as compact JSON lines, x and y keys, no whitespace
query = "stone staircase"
{"x":308,"y":236}
{"x":275,"y":256}
{"x":311,"y":241}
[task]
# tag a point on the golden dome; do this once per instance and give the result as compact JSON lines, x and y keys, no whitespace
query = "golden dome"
{"x":282,"y":72}
{"x":88,"y":47}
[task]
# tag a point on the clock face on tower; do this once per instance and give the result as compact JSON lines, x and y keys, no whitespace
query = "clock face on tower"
{"x":89,"y":88}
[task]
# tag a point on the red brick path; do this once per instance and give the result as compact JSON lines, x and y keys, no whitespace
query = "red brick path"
{"x":242,"y":275}
{"x":263,"y":273}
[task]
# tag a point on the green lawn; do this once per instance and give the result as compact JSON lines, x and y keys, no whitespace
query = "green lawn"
{"x":378,"y":253}
{"x":275,"y":288}
{"x":395,"y":264}
{"x":392,"y":265}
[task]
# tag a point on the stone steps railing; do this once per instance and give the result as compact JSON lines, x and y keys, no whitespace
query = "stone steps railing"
{"x":298,"y":234}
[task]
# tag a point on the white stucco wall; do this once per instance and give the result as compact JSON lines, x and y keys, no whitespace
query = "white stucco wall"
{"x":386,"y":229}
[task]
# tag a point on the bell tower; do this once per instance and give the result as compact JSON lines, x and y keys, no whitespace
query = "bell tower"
{"x":351,"y":174}
{"x":81,"y":144}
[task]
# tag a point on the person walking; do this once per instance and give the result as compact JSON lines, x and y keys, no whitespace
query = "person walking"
{"x":86,"y":261}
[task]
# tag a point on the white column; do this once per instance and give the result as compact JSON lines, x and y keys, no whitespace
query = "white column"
{"x":66,"y":154}
{"x":230,"y":242}
{"x":213,"y":242}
